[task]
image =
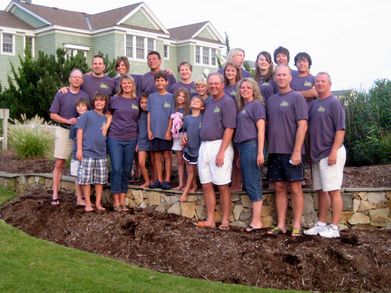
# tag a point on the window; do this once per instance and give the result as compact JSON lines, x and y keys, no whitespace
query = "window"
{"x":137,"y":47}
{"x":205,"y":56}
{"x":129,"y":46}
{"x":73,"y":50}
{"x":29,"y":45}
{"x":166,"y":52}
{"x":198,"y":54}
{"x":8,"y":43}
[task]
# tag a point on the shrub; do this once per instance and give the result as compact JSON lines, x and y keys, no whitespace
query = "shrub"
{"x":31,"y":138}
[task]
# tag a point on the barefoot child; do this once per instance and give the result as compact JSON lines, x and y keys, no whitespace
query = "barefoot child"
{"x":191,"y":142}
{"x":143,"y":143}
{"x":82,"y":106}
{"x":182,"y":106}
{"x":91,"y":151}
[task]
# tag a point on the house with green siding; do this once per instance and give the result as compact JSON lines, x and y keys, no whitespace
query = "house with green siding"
{"x":130,"y":31}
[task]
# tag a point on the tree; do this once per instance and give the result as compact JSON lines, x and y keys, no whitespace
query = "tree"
{"x":227,"y":46}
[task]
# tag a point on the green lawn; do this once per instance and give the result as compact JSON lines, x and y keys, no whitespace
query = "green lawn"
{"x":28,"y":264}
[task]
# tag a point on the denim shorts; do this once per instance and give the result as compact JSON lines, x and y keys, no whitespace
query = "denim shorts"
{"x":251,"y":172}
{"x":280,"y":169}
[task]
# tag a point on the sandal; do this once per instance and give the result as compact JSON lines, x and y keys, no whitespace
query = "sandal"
{"x":117,"y":208}
{"x":55,"y":202}
{"x":124,"y":208}
{"x":202,"y":224}
{"x":224,"y":228}
{"x":250,"y":228}
{"x":296,"y":232}
{"x":276,"y":231}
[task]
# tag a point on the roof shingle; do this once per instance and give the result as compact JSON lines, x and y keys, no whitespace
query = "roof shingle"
{"x":9,"y":20}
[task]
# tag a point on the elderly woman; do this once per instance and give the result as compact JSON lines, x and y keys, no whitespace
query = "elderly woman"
{"x":250,"y":138}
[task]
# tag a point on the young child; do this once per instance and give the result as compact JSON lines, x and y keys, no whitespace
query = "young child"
{"x":82,"y":106}
{"x":91,"y":151}
{"x":143,"y":143}
{"x":160,"y":107}
{"x":201,"y":87}
{"x":182,"y":106}
{"x":191,"y":142}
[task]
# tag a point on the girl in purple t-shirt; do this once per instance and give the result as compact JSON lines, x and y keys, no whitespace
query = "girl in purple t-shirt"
{"x":182,"y":106}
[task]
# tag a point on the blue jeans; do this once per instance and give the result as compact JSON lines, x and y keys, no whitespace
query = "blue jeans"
{"x":251,"y":173}
{"x":121,"y":153}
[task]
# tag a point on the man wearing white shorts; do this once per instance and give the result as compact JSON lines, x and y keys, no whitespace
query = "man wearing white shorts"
{"x":328,"y":155}
{"x":63,"y":112}
{"x":216,"y":151}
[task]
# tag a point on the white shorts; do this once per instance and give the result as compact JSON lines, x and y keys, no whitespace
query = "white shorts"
{"x":74,"y":167}
{"x":207,"y":169}
{"x":176,"y":143}
{"x":326,"y":177}
{"x":62,"y":144}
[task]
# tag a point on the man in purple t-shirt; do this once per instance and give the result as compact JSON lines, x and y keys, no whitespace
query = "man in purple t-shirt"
{"x":154,"y":62}
{"x":63,"y":112}
{"x":216,"y":151}
{"x":327,"y":131}
{"x":287,"y":116}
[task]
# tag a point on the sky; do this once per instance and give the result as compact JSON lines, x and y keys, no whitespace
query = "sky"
{"x":350,"y":39}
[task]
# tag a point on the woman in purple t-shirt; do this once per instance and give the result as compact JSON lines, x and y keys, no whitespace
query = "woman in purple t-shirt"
{"x":122,"y":138}
{"x":264,"y":74}
{"x":250,"y":138}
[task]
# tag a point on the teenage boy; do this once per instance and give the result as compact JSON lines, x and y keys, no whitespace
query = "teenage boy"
{"x":302,"y":80}
{"x":160,"y":107}
{"x":91,"y":151}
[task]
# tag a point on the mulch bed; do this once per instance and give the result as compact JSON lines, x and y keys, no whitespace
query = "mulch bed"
{"x":358,"y":261}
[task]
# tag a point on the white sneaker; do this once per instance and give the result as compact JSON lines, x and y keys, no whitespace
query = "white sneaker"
{"x":315,"y":230}
{"x":330,"y":232}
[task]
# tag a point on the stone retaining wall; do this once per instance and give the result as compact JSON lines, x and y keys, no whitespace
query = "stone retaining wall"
{"x":363,"y":207}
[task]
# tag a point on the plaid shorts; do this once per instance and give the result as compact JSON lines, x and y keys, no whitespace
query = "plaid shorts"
{"x":92,"y":171}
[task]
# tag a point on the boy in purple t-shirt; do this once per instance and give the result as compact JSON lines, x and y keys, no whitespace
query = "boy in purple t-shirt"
{"x":302,"y":81}
{"x":160,"y":107}
{"x":327,"y":131}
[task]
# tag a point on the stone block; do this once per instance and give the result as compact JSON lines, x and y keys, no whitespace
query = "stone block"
{"x":308,"y":204}
{"x":170,"y":199}
{"x":192,"y":198}
{"x":130,"y":202}
{"x":315,"y":197}
{"x":376,"y":197}
{"x":30,"y":180}
{"x":379,"y":217}
{"x":160,"y":209}
{"x":238,"y":224}
{"x":106,"y":197}
{"x":267,"y":221}
{"x":175,"y":209}
{"x":218,"y":216}
{"x":345,"y":216}
{"x":245,"y":215}
{"x":200,"y":212}
{"x":237,"y":210}
{"x":67,"y":185}
{"x":48,"y":183}
{"x":2,"y":182}
{"x":363,"y":195}
{"x":347,"y":202}
{"x":365,"y":206}
{"x":188,"y":209}
{"x":138,"y":196}
{"x":359,"y":218}
{"x":129,"y":194}
{"x":235,"y":197}
{"x":356,"y":204}
{"x":245,"y":201}
{"x":41,"y":180}
{"x":308,"y":220}
{"x":267,"y":211}
{"x":388,"y":194}
{"x":154,"y":198}
{"x":389,"y":204}
{"x":143,"y":205}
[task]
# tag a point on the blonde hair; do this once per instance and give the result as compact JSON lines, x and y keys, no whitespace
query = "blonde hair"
{"x":127,"y":77}
{"x":256,"y":92}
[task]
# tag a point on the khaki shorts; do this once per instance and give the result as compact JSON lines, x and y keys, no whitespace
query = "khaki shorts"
{"x":207,"y":169}
{"x":62,"y":144}
{"x":328,"y":178}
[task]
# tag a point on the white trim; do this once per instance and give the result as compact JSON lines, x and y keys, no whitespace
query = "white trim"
{"x":212,"y":30}
{"x":15,"y":30}
{"x":168,"y":51}
{"x":201,"y":63}
{"x":28,"y":12}
{"x":199,"y":43}
{"x":51,"y":31}
{"x":13,"y":43}
{"x":76,"y":47}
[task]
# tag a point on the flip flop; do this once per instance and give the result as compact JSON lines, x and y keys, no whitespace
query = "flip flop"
{"x":55,"y":202}
{"x":275,"y":231}
{"x":202,"y":224}
{"x":250,"y":228}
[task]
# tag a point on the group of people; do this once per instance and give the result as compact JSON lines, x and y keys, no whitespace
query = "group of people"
{"x":222,"y":128}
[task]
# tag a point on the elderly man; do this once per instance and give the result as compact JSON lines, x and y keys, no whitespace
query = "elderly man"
{"x":328,"y":155}
{"x":216,"y":151}
{"x":287,"y":116}
{"x":63,"y":112}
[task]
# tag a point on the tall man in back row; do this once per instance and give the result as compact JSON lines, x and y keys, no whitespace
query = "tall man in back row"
{"x":216,"y":151}
{"x":287,"y":116}
{"x":328,"y":155}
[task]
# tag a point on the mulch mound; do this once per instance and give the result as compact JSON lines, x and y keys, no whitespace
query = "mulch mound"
{"x":358,"y":261}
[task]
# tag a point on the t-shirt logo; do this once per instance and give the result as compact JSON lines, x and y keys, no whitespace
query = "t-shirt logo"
{"x":308,"y":83}
{"x":232,"y":93}
{"x":200,"y":125}
{"x":166,"y":105}
{"x":103,"y":86}
{"x":284,"y":104}
{"x":193,"y":91}
{"x":321,"y":109}
{"x":134,"y":107}
{"x":217,"y":110}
